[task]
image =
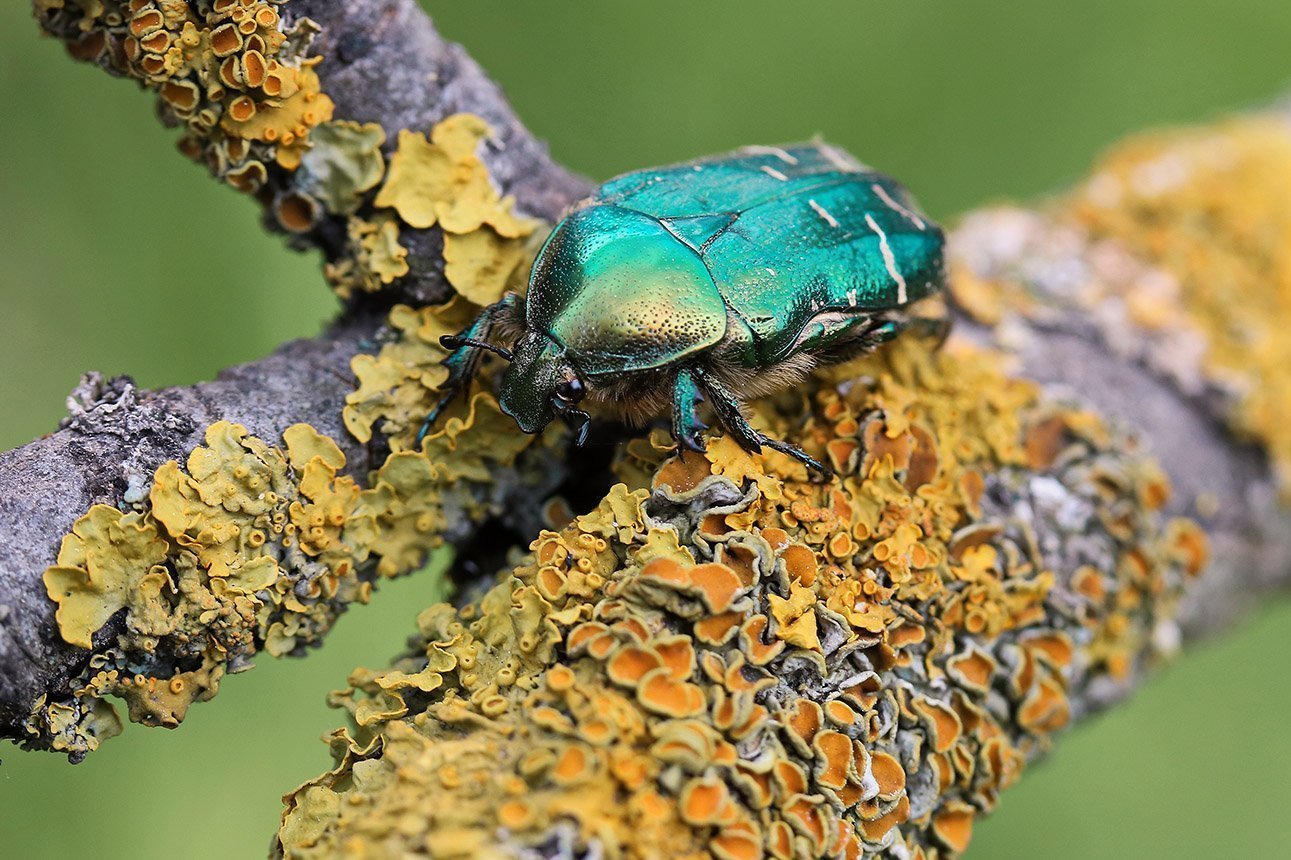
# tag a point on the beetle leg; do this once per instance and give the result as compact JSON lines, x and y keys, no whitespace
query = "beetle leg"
{"x":935,"y":328}
{"x":687,"y":429}
{"x":467,"y":348}
{"x":727,"y":407}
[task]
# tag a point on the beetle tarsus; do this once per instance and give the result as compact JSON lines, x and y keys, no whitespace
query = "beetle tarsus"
{"x":936,"y":329}
{"x":433,"y":416}
{"x":457,"y":341}
{"x":728,"y":412}
{"x":799,"y":455}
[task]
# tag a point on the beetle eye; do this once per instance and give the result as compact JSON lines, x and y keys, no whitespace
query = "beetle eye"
{"x":570,"y":390}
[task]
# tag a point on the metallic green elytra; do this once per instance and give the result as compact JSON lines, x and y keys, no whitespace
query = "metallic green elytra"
{"x":717,"y":280}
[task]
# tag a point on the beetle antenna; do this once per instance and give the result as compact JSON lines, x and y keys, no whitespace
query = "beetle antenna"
{"x":456,"y":341}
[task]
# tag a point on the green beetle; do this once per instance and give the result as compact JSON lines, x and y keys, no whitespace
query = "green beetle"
{"x":719,"y":279}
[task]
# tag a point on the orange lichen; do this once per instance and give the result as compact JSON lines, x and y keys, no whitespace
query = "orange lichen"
{"x":702,"y":651}
{"x":889,"y":775}
{"x":229,"y":72}
{"x":241,"y":80}
{"x":954,"y":827}
{"x":704,"y":800}
{"x":834,"y":757}
{"x":659,"y":693}
{"x":973,"y":668}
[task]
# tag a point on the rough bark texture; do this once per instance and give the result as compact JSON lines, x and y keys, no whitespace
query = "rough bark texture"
{"x":1179,"y":417}
{"x":115,"y":438}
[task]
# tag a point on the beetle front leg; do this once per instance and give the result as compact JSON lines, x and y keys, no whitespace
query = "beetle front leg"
{"x":687,"y":429}
{"x":727,"y":407}
{"x":467,"y":348}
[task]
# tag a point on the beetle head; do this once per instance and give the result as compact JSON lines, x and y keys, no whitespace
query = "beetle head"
{"x":541,"y":384}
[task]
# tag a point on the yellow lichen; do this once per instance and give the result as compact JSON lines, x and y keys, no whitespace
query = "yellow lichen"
{"x":99,"y":566}
{"x":1212,"y":208}
{"x":398,"y":386}
{"x":481,"y":265}
{"x":376,"y":258}
{"x":249,"y":546}
{"x":286,"y":122}
{"x":726,"y":659}
{"x":443,"y":181}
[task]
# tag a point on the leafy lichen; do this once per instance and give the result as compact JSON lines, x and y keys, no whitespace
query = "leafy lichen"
{"x":243,"y":85}
{"x":1212,"y":208}
{"x":100,"y":565}
{"x":343,"y":164}
{"x":724,"y":659}
{"x":1176,"y":248}
{"x":249,"y":546}
{"x":229,"y":71}
{"x":439,"y":181}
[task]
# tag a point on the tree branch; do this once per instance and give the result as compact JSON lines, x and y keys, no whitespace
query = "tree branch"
{"x":746,"y":661}
{"x":382,"y":63}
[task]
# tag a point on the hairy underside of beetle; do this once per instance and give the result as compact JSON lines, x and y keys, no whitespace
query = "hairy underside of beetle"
{"x":643,"y":396}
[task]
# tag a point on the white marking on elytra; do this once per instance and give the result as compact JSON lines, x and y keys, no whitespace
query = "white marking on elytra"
{"x":774,"y":174}
{"x":844,"y":163}
{"x":820,"y":210}
{"x":771,"y":150}
{"x":897,"y":207}
{"x":889,"y":260}
{"x":851,"y":297}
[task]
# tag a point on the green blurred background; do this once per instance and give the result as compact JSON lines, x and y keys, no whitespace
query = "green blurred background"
{"x":116,"y":254}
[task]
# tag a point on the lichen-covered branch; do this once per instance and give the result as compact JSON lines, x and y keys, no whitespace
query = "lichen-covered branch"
{"x":366,"y":135}
{"x":726,"y":660}
{"x":301,"y":103}
{"x":722,"y":658}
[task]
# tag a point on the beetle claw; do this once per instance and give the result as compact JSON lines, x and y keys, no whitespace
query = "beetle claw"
{"x":693,"y":442}
{"x":433,"y":417}
{"x":823,"y":472}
